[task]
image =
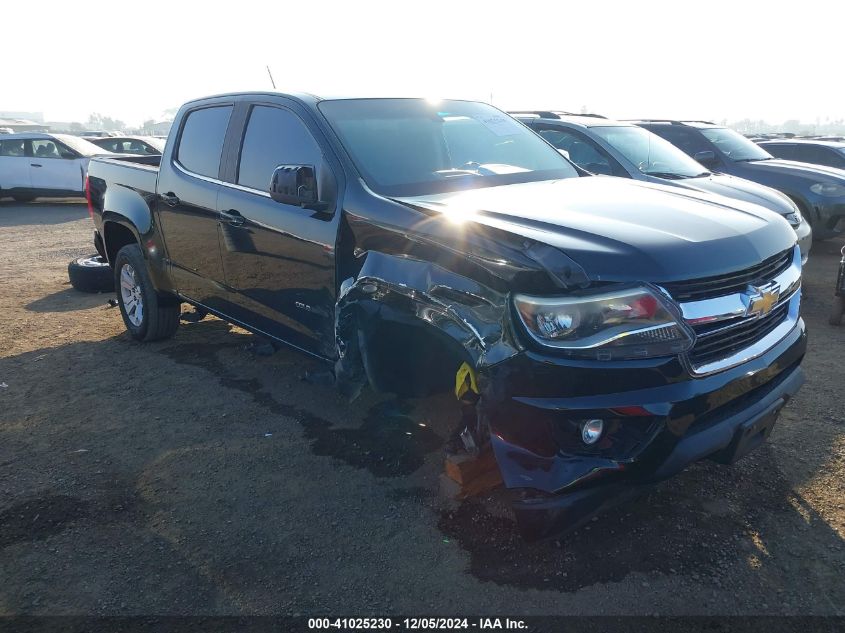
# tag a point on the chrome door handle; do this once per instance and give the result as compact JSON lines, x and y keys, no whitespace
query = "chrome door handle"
{"x":232,"y":217}
{"x":170,"y":199}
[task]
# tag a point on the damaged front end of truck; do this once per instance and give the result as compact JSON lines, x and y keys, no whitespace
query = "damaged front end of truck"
{"x":573,"y":431}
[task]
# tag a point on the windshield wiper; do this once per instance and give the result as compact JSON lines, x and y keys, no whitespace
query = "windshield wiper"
{"x":750,"y":160}
{"x":667,"y":174}
{"x":451,"y":173}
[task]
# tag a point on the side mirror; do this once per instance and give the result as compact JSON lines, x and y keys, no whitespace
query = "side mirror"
{"x":296,"y":185}
{"x":706,"y":158}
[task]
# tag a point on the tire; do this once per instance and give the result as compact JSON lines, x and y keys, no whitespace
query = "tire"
{"x":91,"y":274}
{"x":838,"y":311}
{"x":149,"y":316}
{"x":23,"y":198}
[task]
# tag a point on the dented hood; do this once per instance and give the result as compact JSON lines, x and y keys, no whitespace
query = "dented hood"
{"x":622,"y":230}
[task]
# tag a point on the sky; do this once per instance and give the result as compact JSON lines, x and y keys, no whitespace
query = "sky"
{"x":715,"y":60}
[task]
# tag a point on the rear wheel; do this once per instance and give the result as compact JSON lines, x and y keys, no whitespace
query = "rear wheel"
{"x":91,"y":274}
{"x":147,"y":315}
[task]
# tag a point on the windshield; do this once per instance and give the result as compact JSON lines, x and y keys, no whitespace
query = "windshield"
{"x":651,"y":154}
{"x":80,"y":145}
{"x":734,"y":145}
{"x":157,"y":143}
{"x":411,"y":147}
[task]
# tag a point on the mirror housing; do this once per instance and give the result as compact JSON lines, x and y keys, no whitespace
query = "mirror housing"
{"x":296,"y":185}
{"x":706,"y":158}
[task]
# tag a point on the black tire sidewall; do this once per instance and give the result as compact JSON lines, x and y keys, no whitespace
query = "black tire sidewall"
{"x":87,"y":278}
{"x":131,"y":254}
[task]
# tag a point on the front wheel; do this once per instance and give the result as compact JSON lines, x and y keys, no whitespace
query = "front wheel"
{"x":147,"y":316}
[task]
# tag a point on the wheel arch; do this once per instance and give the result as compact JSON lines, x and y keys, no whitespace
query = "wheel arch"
{"x":405,"y":321}
{"x":116,"y":235}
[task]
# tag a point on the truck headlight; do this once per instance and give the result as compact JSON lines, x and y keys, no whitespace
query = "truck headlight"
{"x":828,"y":189}
{"x":612,"y":324}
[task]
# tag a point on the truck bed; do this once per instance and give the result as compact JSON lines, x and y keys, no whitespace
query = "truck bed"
{"x":138,"y":173}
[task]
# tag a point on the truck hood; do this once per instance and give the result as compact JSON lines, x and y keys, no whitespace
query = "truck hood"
{"x":739,"y":189}
{"x":623,"y":230}
{"x":813,"y":173}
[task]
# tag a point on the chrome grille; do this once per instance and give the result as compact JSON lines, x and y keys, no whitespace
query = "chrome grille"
{"x":724,"y":342}
{"x":729,"y":283}
{"x":723,"y":311}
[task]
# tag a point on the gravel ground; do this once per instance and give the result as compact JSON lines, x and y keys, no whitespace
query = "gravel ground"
{"x":194,"y":477}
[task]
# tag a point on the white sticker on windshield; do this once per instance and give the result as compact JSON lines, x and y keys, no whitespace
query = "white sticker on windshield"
{"x":500,"y":124}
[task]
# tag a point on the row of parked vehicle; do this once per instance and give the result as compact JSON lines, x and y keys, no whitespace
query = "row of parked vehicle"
{"x":807,"y":195}
{"x":35,"y":164}
{"x":689,"y":154}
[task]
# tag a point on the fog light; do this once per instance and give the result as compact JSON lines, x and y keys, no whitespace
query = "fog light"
{"x":591,"y":431}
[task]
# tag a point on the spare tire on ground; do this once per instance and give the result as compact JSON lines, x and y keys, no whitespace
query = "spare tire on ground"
{"x":91,"y":273}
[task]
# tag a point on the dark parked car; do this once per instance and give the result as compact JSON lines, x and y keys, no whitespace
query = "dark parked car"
{"x":616,"y":148}
{"x":818,"y":191}
{"x":613,"y":331}
{"x":130,"y":144}
{"x":818,"y":152}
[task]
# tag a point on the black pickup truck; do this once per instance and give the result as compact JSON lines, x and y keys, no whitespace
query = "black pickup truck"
{"x":611,"y":332}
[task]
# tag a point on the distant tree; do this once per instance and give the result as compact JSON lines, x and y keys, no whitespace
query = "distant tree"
{"x":98,"y":121}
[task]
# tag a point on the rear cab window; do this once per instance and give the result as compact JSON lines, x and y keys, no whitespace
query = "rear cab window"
{"x":201,"y":140}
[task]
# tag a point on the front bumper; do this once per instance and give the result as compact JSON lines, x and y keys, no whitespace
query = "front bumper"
{"x":659,"y":419}
{"x":804,"y":233}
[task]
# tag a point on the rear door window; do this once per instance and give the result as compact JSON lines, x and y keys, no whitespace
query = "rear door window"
{"x":819,"y":155}
{"x":274,"y":136}
{"x":201,"y":142}
{"x":786,"y":152}
{"x":13,"y":147}
{"x":48,"y":148}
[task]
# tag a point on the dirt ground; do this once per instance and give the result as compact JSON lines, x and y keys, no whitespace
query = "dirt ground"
{"x":194,"y":477}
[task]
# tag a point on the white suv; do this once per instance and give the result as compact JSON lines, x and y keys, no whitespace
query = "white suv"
{"x":46,"y":165}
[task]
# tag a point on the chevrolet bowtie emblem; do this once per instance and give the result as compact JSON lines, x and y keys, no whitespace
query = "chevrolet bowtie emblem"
{"x":761,"y":299}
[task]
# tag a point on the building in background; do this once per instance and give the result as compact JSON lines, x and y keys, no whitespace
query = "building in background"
{"x":160,"y":128}
{"x":38,"y":117}
{"x":21,"y":125}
